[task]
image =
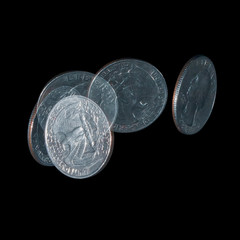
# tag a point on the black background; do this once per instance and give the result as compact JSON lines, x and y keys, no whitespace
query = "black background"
{"x":150,"y":171}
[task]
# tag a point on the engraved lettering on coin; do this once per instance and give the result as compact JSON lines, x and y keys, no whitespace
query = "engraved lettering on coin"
{"x":194,"y":95}
{"x":78,"y":138}
{"x":141,"y":91}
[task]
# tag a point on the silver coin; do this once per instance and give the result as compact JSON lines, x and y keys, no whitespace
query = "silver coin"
{"x":36,"y":141}
{"x":141,"y":91}
{"x":77,"y":136}
{"x":101,"y":92}
{"x":63,"y":85}
{"x":194,"y":95}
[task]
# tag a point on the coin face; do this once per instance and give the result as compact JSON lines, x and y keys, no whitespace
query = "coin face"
{"x":141,"y":92}
{"x":194,"y":95}
{"x":36,"y":141}
{"x":78,"y":138}
{"x":102,"y":93}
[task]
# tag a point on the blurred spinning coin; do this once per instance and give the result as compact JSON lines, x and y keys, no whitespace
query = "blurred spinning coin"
{"x":77,"y":83}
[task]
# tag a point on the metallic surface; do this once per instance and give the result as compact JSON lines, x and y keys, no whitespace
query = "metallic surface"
{"x":78,"y":138}
{"x":141,"y":91}
{"x":194,"y":95}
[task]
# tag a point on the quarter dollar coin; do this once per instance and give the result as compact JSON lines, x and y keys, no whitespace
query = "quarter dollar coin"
{"x":141,"y":92}
{"x":194,"y":95}
{"x":78,"y":137}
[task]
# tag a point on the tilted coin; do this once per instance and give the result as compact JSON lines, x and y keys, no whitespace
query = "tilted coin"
{"x":194,"y":95}
{"x":78,"y":138}
{"x":101,"y":92}
{"x":141,"y":91}
{"x":77,"y":83}
{"x":36,"y":141}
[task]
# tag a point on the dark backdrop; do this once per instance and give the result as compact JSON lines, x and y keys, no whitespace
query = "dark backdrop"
{"x":150,"y":170}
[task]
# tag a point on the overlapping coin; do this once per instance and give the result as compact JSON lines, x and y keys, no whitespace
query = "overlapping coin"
{"x":72,"y":124}
{"x":77,"y":84}
{"x":141,"y":91}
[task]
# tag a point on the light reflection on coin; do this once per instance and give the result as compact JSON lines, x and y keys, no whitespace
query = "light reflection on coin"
{"x":78,"y":138}
{"x":194,"y":95}
{"x":101,"y":92}
{"x":36,"y":141}
{"x":141,"y":91}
